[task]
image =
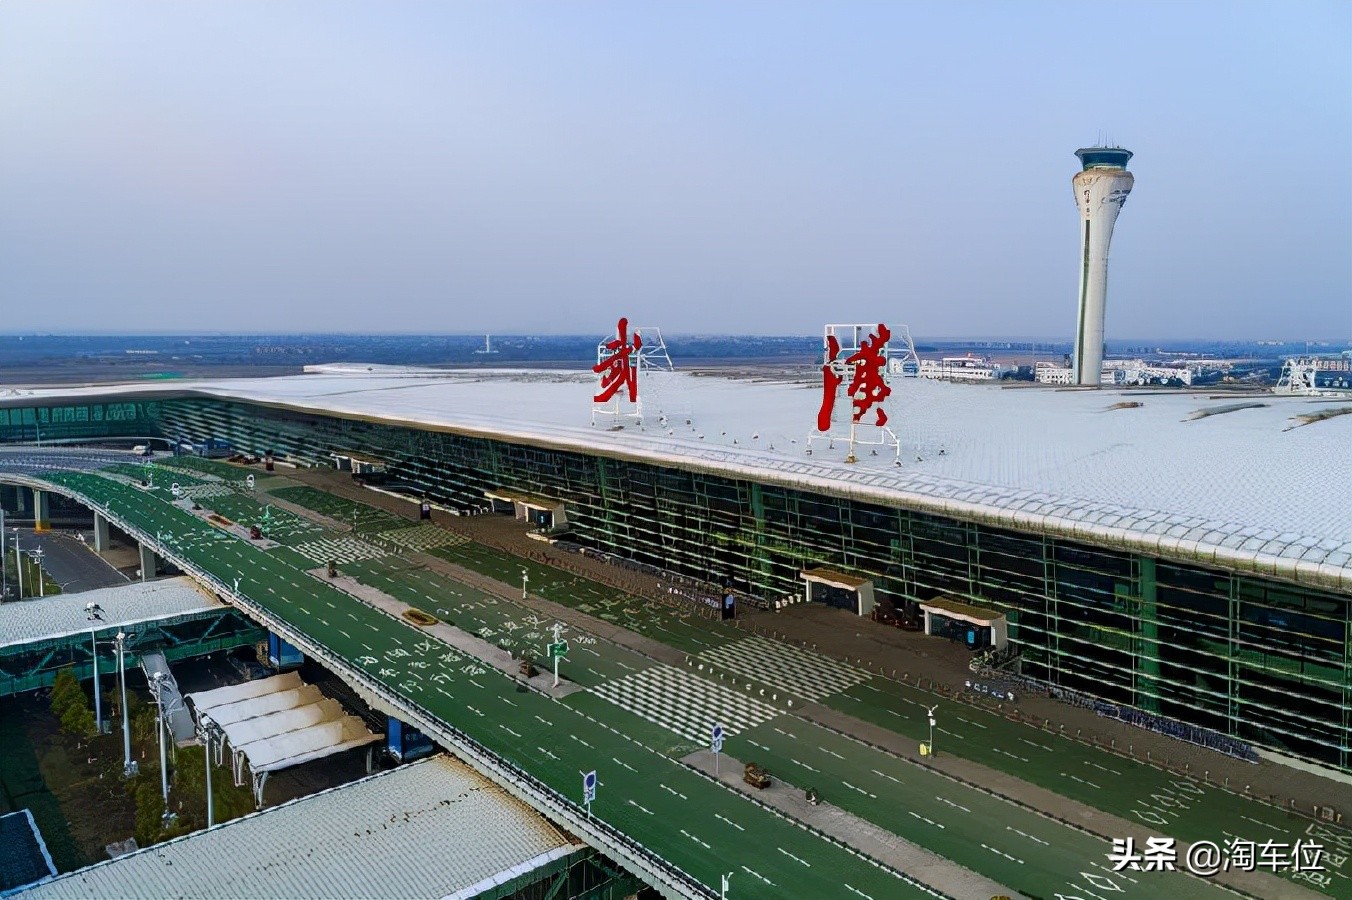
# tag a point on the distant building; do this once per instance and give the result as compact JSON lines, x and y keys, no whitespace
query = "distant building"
{"x":1100,"y":190}
{"x":1118,"y":372}
{"x":960,"y":368}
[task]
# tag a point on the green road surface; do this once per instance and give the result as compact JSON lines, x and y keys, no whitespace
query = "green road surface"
{"x":696,"y":824}
{"x":637,"y":714}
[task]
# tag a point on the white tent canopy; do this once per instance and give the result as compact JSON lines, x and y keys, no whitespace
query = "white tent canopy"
{"x":276,"y":723}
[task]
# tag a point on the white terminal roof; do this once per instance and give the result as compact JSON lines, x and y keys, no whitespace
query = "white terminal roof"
{"x":430,"y":829}
{"x":1251,"y":488}
{"x":125,"y":605}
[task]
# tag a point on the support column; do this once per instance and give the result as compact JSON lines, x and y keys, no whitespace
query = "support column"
{"x":149,"y":563}
{"x":42,"y":516}
{"x":1148,"y":660}
{"x":101,"y":539}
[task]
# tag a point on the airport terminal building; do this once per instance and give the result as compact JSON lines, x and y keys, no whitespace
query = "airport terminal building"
{"x":1184,"y":555}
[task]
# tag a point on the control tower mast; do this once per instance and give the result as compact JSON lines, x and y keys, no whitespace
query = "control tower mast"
{"x":1101,"y":188}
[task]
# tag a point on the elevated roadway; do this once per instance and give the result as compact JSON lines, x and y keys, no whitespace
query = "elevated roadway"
{"x":676,"y":827}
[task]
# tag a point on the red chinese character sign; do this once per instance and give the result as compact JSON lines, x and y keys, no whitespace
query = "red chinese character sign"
{"x":617,"y":370}
{"x":868,"y":388}
{"x":617,"y":365}
{"x":866,"y":367}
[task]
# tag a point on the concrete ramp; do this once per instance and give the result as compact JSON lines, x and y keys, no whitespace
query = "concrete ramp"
{"x":180,"y":722}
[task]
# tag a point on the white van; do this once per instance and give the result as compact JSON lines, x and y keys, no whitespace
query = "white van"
{"x":141,"y":450}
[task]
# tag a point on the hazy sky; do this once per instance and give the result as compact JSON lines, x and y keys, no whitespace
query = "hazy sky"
{"x":705,"y":167}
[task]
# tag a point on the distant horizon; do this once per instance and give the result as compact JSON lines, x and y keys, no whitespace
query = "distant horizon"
{"x":1329,"y":342}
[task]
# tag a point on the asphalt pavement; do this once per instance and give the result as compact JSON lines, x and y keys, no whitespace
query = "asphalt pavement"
{"x":70,"y":562}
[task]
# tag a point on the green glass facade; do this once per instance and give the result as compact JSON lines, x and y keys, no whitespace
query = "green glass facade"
{"x":1261,"y":660}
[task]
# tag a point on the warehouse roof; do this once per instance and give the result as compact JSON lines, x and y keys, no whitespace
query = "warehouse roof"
{"x":1257,"y":486}
{"x":429,"y":829}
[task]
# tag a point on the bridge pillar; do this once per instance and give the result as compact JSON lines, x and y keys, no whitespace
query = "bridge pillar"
{"x":101,"y":539}
{"x":404,"y":742}
{"x":282,"y":655}
{"x":42,"y":516}
{"x":149,"y":563}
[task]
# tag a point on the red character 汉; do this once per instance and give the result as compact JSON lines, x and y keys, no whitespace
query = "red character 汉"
{"x":616,"y":370}
{"x":867,"y":387}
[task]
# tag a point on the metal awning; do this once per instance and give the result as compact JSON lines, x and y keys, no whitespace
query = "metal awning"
{"x":835,"y":579}
{"x":544,"y":504}
{"x":966,"y":612}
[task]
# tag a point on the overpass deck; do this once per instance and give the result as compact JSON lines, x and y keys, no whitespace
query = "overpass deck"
{"x":173,"y":616}
{"x":662,"y":818}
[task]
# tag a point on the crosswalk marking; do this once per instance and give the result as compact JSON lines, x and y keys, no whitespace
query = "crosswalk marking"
{"x":341,"y":550}
{"x":421,"y":537}
{"x":802,"y":672}
{"x":204,"y":491}
{"x":685,"y":703}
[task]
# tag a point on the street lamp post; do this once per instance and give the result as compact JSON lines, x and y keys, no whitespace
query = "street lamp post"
{"x":129,"y":766}
{"x":525,"y":577}
{"x":930,"y":713}
{"x":4,"y":571}
{"x":18,"y":562}
{"x":161,"y":725}
{"x":36,"y":556}
{"x":204,"y":729}
{"x":94,"y":613}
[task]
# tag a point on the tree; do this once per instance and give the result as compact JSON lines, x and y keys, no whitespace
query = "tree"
{"x":64,"y":689}
{"x":70,"y":705}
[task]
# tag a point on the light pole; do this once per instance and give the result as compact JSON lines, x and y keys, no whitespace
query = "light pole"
{"x":18,"y":562}
{"x":204,"y":729}
{"x":723,"y":894}
{"x":525,"y":577}
{"x":930,"y":713}
{"x":94,"y":613}
{"x":36,"y":556}
{"x":157,"y":684}
{"x":129,"y":766}
{"x":4,"y":571}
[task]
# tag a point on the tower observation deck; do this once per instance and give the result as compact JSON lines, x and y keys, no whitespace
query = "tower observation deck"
{"x":1101,"y":187}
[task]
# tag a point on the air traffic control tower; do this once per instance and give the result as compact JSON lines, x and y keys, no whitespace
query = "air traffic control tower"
{"x":1100,"y":190}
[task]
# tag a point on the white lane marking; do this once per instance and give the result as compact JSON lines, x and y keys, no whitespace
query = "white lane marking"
{"x":923,"y":819}
{"x":729,"y":821}
{"x":1076,"y":778}
{"x":696,"y":840}
{"x":885,"y":775}
{"x":635,"y":805}
{"x":1027,"y":835}
{"x":1004,"y":854}
{"x":625,"y":764}
{"x":970,"y":722}
{"x":857,"y":891}
{"x":508,"y":730}
{"x":794,"y":858}
{"x":860,"y":790}
{"x":803,"y":764}
{"x":832,"y":752}
{"x":673,"y":791}
{"x":756,"y":874}
{"x":546,"y":752}
{"x":1264,"y":824}
{"x":582,"y":742}
{"x":951,"y":803}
